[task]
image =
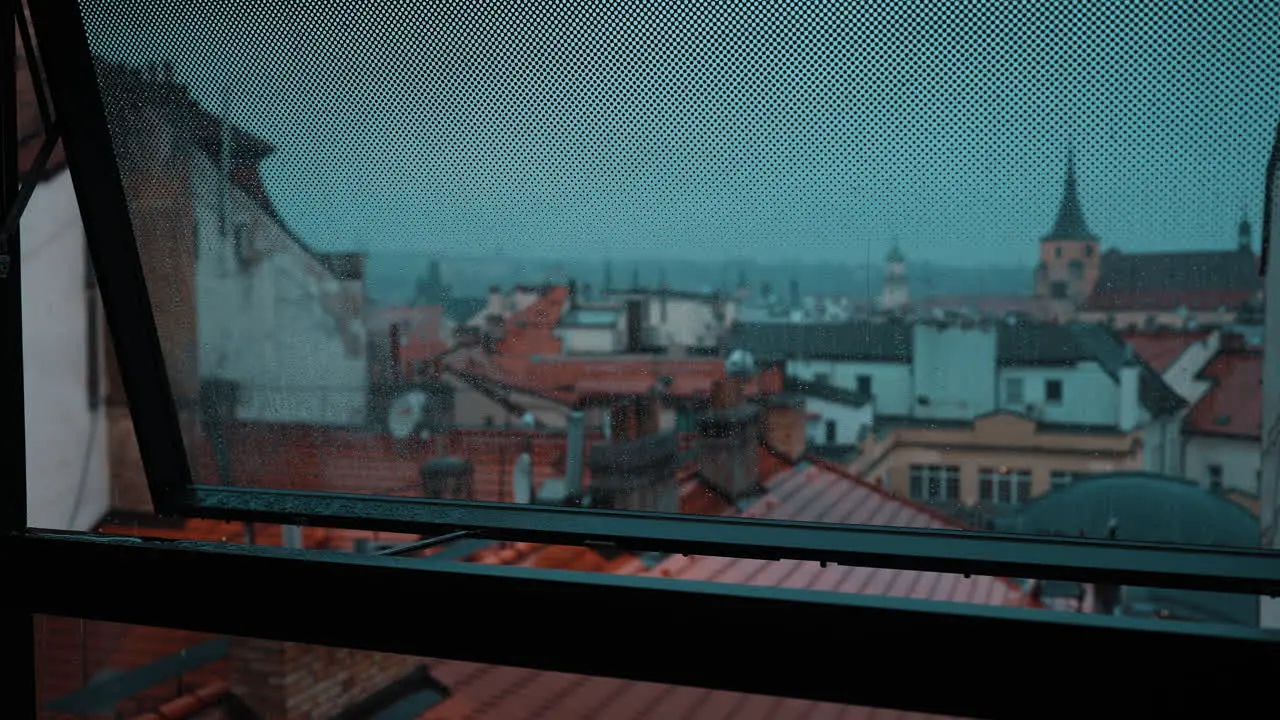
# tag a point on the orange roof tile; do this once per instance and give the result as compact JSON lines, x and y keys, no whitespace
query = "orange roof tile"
{"x":1160,"y":349}
{"x":1233,"y":406}
{"x":531,"y":331}
{"x":806,"y":492}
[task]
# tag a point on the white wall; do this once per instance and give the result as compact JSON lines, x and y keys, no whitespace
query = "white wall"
{"x":689,"y":321}
{"x":267,"y":326}
{"x":1089,"y":395}
{"x":1239,"y":458}
{"x":67,"y":471}
{"x":890,"y":382}
{"x":850,"y":421}
{"x":1181,"y":375}
{"x":590,"y":340}
{"x":1163,"y":448}
{"x":955,"y":368}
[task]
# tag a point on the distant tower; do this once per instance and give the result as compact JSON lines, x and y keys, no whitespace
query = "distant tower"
{"x":635,"y":277}
{"x":1070,"y":259}
{"x":430,"y":288}
{"x":896,"y":294}
{"x":608,"y":276}
{"x":1244,"y":232}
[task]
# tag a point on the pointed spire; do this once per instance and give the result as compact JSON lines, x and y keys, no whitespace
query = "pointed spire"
{"x":635,"y":277}
{"x":1070,"y":224}
{"x":895,"y":254}
{"x":1244,"y":231}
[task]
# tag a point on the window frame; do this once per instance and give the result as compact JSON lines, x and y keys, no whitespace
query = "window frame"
{"x":1049,"y":399}
{"x":130,"y":565}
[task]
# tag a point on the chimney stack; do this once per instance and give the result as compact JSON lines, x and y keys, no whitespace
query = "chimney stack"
{"x":729,"y":440}
{"x":447,"y":478}
{"x":636,"y":470}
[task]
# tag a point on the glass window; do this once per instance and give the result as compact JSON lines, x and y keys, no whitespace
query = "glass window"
{"x":864,"y":384}
{"x":935,"y":483}
{"x":1013,"y":390}
{"x":1053,"y":391}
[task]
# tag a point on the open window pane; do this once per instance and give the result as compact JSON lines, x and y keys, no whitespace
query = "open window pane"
{"x":662,"y":260}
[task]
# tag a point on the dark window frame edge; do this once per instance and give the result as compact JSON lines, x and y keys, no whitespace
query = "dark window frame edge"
{"x":876,"y":625}
{"x":117,"y":264}
{"x":1233,"y":570}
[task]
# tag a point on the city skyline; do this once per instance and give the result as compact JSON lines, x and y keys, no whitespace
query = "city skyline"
{"x":436,"y":136}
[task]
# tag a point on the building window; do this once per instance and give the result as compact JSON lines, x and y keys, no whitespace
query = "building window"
{"x":1057,"y":252}
{"x":831,"y":432}
{"x":935,"y":483}
{"x":1053,"y":391}
{"x":864,"y":384}
{"x":1004,"y":486}
{"x":1215,"y":477}
{"x":1088,"y":251}
{"x":1061,"y":478}
{"x":1013,"y":391}
{"x":1058,"y":290}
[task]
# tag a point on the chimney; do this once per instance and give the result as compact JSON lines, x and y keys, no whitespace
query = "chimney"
{"x":636,"y":470}
{"x":784,"y":425}
{"x":729,"y":440}
{"x":447,"y":478}
{"x":522,"y":480}
{"x":291,"y":681}
{"x":574,"y":439}
{"x":635,"y":325}
{"x":1130,"y":414}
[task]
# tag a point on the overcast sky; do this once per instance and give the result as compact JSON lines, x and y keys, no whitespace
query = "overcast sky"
{"x":779,"y":132}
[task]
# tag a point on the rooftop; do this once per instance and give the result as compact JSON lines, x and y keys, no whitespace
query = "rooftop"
{"x":1233,"y":405}
{"x":1161,"y":348}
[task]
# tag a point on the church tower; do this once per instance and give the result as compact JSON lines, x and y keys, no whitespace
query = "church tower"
{"x":1070,"y":258}
{"x":895,"y":294}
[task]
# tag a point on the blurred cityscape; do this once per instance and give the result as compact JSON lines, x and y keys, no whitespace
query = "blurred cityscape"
{"x":1102,"y":393}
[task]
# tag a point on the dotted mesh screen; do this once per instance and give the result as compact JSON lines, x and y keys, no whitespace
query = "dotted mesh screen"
{"x":773,"y":129}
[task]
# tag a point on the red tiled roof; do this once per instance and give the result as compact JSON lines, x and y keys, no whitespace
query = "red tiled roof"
{"x":294,"y":457}
{"x":70,"y":652}
{"x":1161,"y":348}
{"x":808,"y":493}
{"x":186,"y":706}
{"x":571,"y":379}
{"x":1233,"y":406}
{"x":1168,"y":301}
{"x":531,"y":331}
{"x":985,"y":304}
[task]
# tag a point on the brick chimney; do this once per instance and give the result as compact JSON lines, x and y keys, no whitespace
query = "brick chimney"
{"x":290,"y":681}
{"x":729,"y":440}
{"x":448,"y":478}
{"x":636,"y":470}
{"x":784,"y":424}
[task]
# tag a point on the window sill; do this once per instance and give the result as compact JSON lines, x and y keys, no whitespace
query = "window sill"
{"x":681,"y":632}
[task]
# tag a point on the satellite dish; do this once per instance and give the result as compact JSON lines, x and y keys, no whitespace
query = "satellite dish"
{"x":740,"y":362}
{"x":406,"y":414}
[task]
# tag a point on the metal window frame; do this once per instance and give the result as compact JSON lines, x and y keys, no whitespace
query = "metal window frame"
{"x":700,"y":650}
